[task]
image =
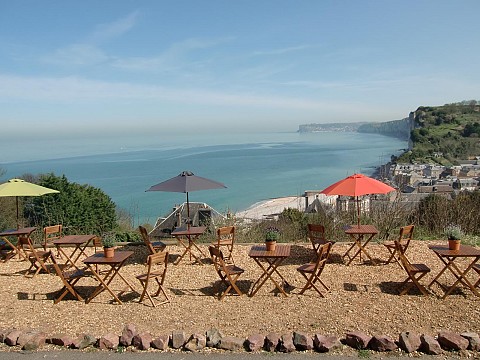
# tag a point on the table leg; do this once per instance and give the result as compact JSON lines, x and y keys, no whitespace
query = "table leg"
{"x":105,"y":285}
{"x":14,"y":250}
{"x":267,"y":274}
{"x":188,"y":249}
{"x":461,"y":277}
{"x":435,"y":280}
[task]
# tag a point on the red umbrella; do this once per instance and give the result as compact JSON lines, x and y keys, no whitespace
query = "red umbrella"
{"x":357,"y":185}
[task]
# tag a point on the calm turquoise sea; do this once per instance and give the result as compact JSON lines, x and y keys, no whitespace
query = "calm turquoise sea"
{"x":254,"y":167}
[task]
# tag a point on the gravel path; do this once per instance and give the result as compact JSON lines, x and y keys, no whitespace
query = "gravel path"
{"x":362,"y":297}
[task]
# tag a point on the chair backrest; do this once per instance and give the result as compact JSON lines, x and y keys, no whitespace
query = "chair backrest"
{"x":97,"y":242}
{"x":51,"y":233}
{"x":217,"y":258}
{"x":316,"y":234}
{"x":146,"y":239}
{"x":403,"y":259}
{"x":406,"y":235}
{"x":226,"y":233}
{"x":322,"y":256}
{"x":25,"y":243}
{"x":159,"y":259}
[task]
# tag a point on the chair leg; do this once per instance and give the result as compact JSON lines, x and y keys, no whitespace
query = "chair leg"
{"x":414,"y":282}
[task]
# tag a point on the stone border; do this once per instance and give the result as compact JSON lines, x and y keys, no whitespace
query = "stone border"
{"x":407,"y":342}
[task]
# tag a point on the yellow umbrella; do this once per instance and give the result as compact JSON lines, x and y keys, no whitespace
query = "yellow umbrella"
{"x":19,"y":187}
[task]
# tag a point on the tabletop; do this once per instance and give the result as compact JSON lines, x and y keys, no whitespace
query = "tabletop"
{"x":192,"y":230}
{"x":73,"y":239}
{"x":15,"y":232}
{"x":99,"y":258}
{"x":464,"y":251}
{"x":281,"y":250}
{"x":361,"y":229}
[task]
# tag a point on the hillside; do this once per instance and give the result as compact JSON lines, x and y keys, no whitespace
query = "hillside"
{"x":444,"y":134}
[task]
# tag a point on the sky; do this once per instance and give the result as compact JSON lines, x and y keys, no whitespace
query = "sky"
{"x":124,"y":66}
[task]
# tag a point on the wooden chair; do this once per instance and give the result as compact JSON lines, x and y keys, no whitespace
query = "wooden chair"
{"x":228,"y":273}
{"x":152,"y":246}
{"x":476,"y":267}
{"x":226,"y":239}
{"x":316,"y":235}
{"x":404,"y":238}
{"x":157,"y":269}
{"x":69,"y":279}
{"x":51,"y":233}
{"x":37,"y":258}
{"x":414,"y":271}
{"x":313,"y":270}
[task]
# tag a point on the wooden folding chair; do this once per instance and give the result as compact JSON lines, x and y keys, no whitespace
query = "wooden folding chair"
{"x":316,"y":235}
{"x":414,"y":271}
{"x":228,"y":273}
{"x":226,"y":239}
{"x":152,"y":246}
{"x":157,"y":269}
{"x":51,"y":233}
{"x":313,"y":270}
{"x":69,"y":279}
{"x":404,"y":238}
{"x":37,"y":258}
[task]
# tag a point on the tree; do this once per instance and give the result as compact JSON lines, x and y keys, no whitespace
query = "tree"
{"x":80,"y":208}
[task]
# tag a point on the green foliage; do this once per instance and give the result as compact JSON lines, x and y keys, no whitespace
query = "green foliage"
{"x":109,"y":240}
{"x":128,"y":236}
{"x":454,"y":232}
{"x":445,"y":134}
{"x":80,"y":208}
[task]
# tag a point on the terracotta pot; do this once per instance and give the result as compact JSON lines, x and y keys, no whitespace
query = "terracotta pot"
{"x":109,"y":252}
{"x":454,"y":245}
{"x":270,"y":245}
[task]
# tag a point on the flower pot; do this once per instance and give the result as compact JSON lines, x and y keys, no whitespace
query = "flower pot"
{"x":108,"y":252}
{"x":270,"y":245}
{"x":454,"y":245}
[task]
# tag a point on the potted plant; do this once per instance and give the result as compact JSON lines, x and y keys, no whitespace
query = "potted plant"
{"x":272,"y":234}
{"x":108,"y":242}
{"x":454,"y":235}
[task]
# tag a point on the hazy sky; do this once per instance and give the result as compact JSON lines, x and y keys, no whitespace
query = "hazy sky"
{"x":193,"y":65}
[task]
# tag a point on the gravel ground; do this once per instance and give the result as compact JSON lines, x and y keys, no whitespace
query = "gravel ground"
{"x":361,"y":297}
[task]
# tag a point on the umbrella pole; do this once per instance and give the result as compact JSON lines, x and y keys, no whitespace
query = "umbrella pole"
{"x":188,"y":213}
{"x":18,"y":224}
{"x":358,"y":212}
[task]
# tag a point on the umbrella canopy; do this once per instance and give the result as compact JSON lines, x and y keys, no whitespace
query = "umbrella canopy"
{"x":357,"y":185}
{"x":186,"y":182}
{"x":19,"y":187}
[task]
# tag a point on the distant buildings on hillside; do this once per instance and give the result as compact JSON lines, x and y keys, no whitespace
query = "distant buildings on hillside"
{"x":414,"y":182}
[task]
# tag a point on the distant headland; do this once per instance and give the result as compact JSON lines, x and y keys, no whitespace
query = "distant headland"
{"x":396,"y":128}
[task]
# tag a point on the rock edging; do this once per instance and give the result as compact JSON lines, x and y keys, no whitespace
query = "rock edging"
{"x":408,"y":341}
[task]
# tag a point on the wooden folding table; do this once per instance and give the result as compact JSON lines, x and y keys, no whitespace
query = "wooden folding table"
{"x":361,"y":236}
{"x":116,"y":263}
{"x":448,"y":258}
{"x":10,"y":247}
{"x":273,"y":259}
{"x":79,"y":242}
{"x":191,"y":234}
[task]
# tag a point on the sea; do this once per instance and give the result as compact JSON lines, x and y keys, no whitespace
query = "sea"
{"x":253,"y":166}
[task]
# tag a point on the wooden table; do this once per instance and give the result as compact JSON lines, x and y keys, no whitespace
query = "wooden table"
{"x":191,"y":234}
{"x":273,"y":259}
{"x":15,"y":249}
{"x":448,"y":258}
{"x":116,"y":263}
{"x":361,"y":236}
{"x":79,"y":242}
